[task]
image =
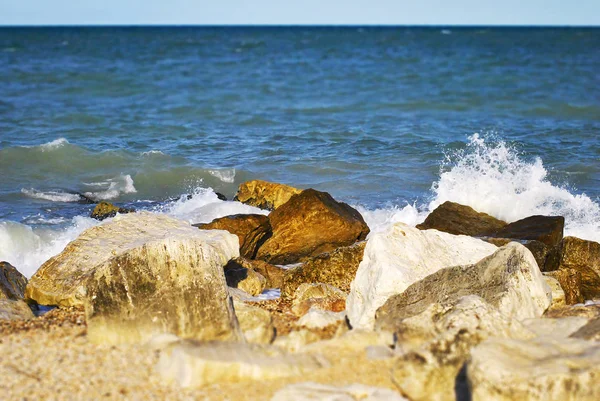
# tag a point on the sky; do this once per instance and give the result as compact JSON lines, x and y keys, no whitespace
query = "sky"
{"x":294,"y":12}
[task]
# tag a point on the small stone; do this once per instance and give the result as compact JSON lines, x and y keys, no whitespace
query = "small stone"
{"x":104,"y":210}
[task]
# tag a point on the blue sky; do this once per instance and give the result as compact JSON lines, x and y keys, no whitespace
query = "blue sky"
{"x":415,"y":12}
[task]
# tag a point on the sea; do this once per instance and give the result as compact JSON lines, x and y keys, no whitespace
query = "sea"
{"x":391,"y":120}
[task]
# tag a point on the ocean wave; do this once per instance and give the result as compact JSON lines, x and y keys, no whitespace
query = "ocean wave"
{"x":493,"y":177}
{"x":55,"y":144}
{"x":54,"y":196}
{"x":27,"y":248}
{"x":112,"y":188}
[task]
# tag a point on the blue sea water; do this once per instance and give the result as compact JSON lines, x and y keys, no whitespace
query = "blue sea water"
{"x":391,"y":120}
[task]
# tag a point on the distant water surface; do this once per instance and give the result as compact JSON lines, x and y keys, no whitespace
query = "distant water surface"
{"x":391,"y":120}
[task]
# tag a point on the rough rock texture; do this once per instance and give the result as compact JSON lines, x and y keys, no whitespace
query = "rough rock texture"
{"x":546,"y":229}
{"x":12,"y":282}
{"x":583,"y":256}
{"x":265,"y":195}
{"x":540,"y":251}
{"x":353,"y":392}
{"x":509,"y":280}
{"x":62,"y":279}
{"x":245,"y":279}
{"x":318,"y":296}
{"x":273,"y":274}
{"x":13,"y":309}
{"x":337,"y":268}
{"x":558,"y":295}
{"x":395,"y":259}
{"x":309,"y":224}
{"x":104,"y":210}
{"x":591,"y":331}
{"x":508,"y":369}
{"x":199,"y":364}
{"x":570,"y":282}
{"x":144,"y":274}
{"x":251,"y":229}
{"x":433,"y":346}
{"x":589,"y":311}
{"x":255,"y":323}
{"x":458,"y":219}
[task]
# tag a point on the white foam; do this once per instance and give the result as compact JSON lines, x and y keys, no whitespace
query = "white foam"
{"x":152,"y":152}
{"x":27,"y":248}
{"x":55,"y":144}
{"x":380,"y":220}
{"x":494,"y":178}
{"x":204,"y":206}
{"x":54,"y":196}
{"x":113,"y":188}
{"x":225,"y":175}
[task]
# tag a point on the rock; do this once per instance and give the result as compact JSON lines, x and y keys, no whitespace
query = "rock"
{"x":220,"y":196}
{"x":555,"y":328}
{"x":251,"y":229}
{"x":245,"y":279}
{"x":546,"y":229}
{"x":354,"y":340}
{"x":318,"y":296}
{"x":198,"y":364}
{"x":297,"y":340}
{"x":434,"y":345}
{"x":590,"y":331}
{"x":509,"y":280}
{"x":265,"y":195}
{"x":508,"y":369}
{"x":104,"y":210}
{"x":570,"y":283}
{"x":255,"y":323}
{"x":458,"y":219}
{"x":312,"y":391}
{"x":141,"y":275}
{"x":558,"y":295}
{"x":273,"y":274}
{"x":309,"y":224}
{"x":584,"y":257}
{"x":12,"y":282}
{"x":395,"y":259}
{"x":337,"y":268}
{"x":589,"y":312}
{"x":539,"y":250}
{"x":318,"y":318}
{"x":13,"y":309}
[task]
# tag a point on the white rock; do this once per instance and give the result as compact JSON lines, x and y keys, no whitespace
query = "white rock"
{"x":395,"y":259}
{"x":535,"y":370}
{"x":309,"y":391}
{"x":316,"y":318}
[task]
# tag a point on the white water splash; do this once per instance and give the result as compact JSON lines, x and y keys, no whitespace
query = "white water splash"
{"x":54,"y":196}
{"x":112,"y":188}
{"x":225,"y":175}
{"x":55,"y":144}
{"x":27,"y":248}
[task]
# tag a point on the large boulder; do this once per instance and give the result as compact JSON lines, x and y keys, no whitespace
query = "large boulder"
{"x":12,"y":282}
{"x":309,"y":224}
{"x":458,"y":219}
{"x":337,"y":268}
{"x":584,"y":257}
{"x":309,"y":391}
{"x":570,"y":281}
{"x":104,"y":210}
{"x":265,"y":195}
{"x":546,"y":229}
{"x":251,"y":229}
{"x":141,"y":275}
{"x":433,"y":346}
{"x":509,"y":280}
{"x":395,"y":259}
{"x":193,"y":364}
{"x":273,"y":274}
{"x":539,"y":369}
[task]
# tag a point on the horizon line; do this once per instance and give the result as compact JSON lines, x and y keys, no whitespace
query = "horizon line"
{"x":341,"y":25}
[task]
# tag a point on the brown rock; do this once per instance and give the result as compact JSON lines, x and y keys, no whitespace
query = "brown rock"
{"x":273,"y":274}
{"x":319,"y":296}
{"x":458,"y":219}
{"x":251,"y":229}
{"x":591,"y":331}
{"x":309,"y":224}
{"x":589,"y":312}
{"x":245,"y":279}
{"x":265,"y":195}
{"x":337,"y":268}
{"x":570,"y":281}
{"x":104,"y":210}
{"x":12,"y":283}
{"x":583,"y":256}
{"x":546,"y":229}
{"x":14,"y":309}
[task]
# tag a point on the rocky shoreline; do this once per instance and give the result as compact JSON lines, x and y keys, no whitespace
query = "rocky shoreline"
{"x":463,"y":306}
